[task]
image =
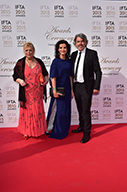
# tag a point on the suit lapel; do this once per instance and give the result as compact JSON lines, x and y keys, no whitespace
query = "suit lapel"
{"x":73,"y":60}
{"x":85,"y":60}
{"x":85,"y":55}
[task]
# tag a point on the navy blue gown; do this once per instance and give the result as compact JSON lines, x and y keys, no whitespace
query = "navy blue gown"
{"x":62,"y":70}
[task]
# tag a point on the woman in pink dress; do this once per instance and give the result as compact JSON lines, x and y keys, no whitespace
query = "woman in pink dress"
{"x":32,"y":90}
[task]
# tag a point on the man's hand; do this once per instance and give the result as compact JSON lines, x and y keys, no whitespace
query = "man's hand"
{"x":95,"y":91}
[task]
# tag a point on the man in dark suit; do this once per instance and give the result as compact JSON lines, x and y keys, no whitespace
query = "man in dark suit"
{"x":87,"y":78}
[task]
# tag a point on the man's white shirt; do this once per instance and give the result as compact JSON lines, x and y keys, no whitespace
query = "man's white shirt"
{"x":80,"y":78}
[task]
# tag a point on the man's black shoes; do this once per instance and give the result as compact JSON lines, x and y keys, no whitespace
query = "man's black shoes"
{"x":77,"y":130}
{"x":85,"y":139}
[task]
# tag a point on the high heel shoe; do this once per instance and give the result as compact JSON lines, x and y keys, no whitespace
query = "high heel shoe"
{"x":47,"y":133}
{"x":26,"y":137}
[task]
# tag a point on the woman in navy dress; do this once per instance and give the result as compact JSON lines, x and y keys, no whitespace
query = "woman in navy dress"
{"x":59,"y":114}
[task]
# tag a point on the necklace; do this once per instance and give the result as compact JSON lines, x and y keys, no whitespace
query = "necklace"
{"x":32,"y":64}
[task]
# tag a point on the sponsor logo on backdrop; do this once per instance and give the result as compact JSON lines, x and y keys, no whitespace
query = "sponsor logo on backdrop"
{"x":7,"y":41}
{"x":74,"y":115}
{"x":107,"y":102}
{"x":120,"y":89}
{"x":21,"y":40}
{"x":55,"y":33}
{"x":6,"y":26}
{"x":96,"y":41}
{"x":106,"y":114}
{"x":119,"y":101}
{"x":21,"y":26}
{"x":109,"y":26}
{"x":122,"y":26}
{"x":73,"y":11}
{"x":12,"y":117}
{"x":4,"y":63}
{"x":96,"y":11}
{"x":59,"y":10}
{"x":10,"y":91}
{"x":44,"y":11}
{"x":1,"y":105}
{"x":96,"y":26}
{"x":11,"y":104}
{"x":107,"y":89}
{"x":94,"y":114}
{"x":122,"y":41}
{"x":118,"y":114}
{"x":0,"y":92}
{"x":46,"y":60}
{"x":123,"y":11}
{"x":109,"y":41}
{"x":111,"y":69}
{"x":110,"y":11}
{"x":1,"y":118}
{"x":5,"y":10}
{"x":20,"y":10}
{"x":95,"y":102}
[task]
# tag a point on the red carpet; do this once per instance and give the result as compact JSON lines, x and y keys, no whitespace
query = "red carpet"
{"x":49,"y":165}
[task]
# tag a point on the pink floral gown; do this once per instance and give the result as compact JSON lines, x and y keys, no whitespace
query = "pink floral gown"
{"x":32,"y":121}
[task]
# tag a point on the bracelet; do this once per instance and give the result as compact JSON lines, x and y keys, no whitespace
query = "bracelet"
{"x":53,"y":88}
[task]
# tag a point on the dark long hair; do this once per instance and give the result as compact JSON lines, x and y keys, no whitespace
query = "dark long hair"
{"x":57,"y":55}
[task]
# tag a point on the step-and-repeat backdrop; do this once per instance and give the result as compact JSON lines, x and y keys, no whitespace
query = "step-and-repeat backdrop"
{"x":44,"y":22}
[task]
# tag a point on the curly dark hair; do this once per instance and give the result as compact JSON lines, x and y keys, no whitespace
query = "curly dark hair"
{"x":57,"y":47}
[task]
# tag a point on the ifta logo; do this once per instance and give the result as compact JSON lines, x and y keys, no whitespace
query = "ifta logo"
{"x":11,"y":104}
{"x":20,"y":26}
{"x":110,"y":11}
{"x":109,"y":26}
{"x":106,"y":114}
{"x":96,"y":11}
{"x":122,"y":41}
{"x":5,"y":10}
{"x":123,"y":11}
{"x":1,"y":118}
{"x":6,"y":26}
{"x":7,"y":41}
{"x":96,"y":41}
{"x":120,"y":89}
{"x":44,"y":11}
{"x":123,"y":26}
{"x":20,"y":11}
{"x":107,"y":102}
{"x":59,"y":10}
{"x":73,"y":11}
{"x":109,"y":41}
{"x":118,"y":114}
{"x":21,"y":40}
{"x":95,"y":114}
{"x":119,"y":101}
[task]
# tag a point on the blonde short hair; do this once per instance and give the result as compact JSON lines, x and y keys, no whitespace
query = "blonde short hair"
{"x":29,"y":44}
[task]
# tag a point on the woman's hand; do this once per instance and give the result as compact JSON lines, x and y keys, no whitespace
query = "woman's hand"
{"x":72,"y":94}
{"x":56,"y":94}
{"x":21,"y":82}
{"x":46,"y":81}
{"x":44,"y":84}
